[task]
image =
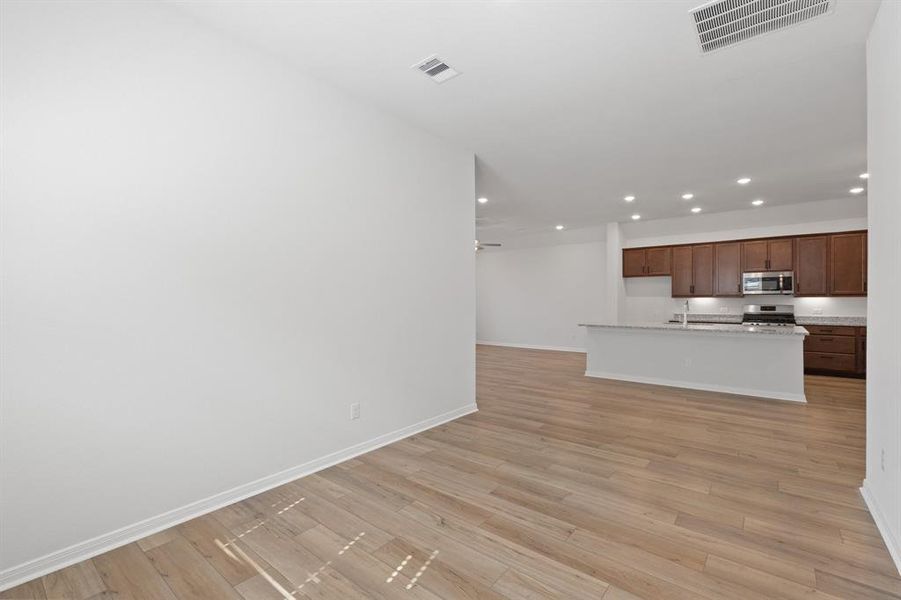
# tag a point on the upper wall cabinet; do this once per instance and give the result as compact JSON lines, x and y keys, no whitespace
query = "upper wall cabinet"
{"x":768,"y":255}
{"x":833,"y":264}
{"x":848,"y":264}
{"x":646,"y":262}
{"x":633,"y":262}
{"x":782,"y":254}
{"x":727,"y":269}
{"x":811,"y":266}
{"x":693,"y":271}
{"x":682,"y":271}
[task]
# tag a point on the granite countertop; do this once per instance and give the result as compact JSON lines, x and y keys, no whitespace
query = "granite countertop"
{"x":800,"y":319}
{"x":732,"y":328}
{"x":836,"y":321}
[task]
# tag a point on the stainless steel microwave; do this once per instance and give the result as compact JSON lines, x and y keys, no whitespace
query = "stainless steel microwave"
{"x":773,"y":283}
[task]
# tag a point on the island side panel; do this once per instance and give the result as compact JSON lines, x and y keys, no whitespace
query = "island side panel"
{"x":767,"y":366}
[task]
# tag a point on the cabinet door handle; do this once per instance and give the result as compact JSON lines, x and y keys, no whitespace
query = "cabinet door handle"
{"x":691,"y":289}
{"x":827,"y":339}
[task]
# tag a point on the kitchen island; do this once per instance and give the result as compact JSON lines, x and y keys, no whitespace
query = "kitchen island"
{"x":767,"y":362}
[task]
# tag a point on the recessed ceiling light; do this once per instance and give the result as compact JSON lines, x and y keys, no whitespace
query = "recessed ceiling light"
{"x":629,"y":198}
{"x":744,"y":181}
{"x":696,"y":209}
{"x":483,"y":200}
{"x":856,"y":190}
{"x":636,"y":217}
{"x":864,"y":175}
{"x":687,"y":196}
{"x":559,"y":227}
{"x":757,"y":202}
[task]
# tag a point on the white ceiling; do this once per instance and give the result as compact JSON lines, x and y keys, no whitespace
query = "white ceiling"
{"x":569,"y":106}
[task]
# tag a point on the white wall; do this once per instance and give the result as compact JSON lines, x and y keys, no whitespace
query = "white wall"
{"x":650,"y":298}
{"x":538,"y":296}
{"x":882,"y":487}
{"x":205,"y":259}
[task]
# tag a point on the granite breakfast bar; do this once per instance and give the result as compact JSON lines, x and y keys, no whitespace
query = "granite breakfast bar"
{"x":767,"y":362}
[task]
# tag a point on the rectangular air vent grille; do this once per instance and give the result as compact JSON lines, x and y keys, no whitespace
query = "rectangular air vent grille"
{"x":436,"y":69}
{"x":727,"y":22}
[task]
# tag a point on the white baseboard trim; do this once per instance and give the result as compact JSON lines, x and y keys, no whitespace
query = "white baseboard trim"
{"x":891,"y":542}
{"x":103,"y":543}
{"x":534,"y":347}
{"x":706,"y":387}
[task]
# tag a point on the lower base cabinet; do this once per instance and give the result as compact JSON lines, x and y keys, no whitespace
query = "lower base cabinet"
{"x":835,"y":350}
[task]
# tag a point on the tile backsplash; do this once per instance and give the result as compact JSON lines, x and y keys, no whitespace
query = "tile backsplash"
{"x":649,"y":299}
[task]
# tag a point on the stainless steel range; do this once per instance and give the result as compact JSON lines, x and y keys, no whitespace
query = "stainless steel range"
{"x":780,"y":315}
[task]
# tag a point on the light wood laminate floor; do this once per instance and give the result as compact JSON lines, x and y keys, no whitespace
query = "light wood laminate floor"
{"x":560,"y":487}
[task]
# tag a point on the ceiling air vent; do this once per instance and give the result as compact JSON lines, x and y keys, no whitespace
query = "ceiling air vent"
{"x":436,"y":69}
{"x":727,"y":22}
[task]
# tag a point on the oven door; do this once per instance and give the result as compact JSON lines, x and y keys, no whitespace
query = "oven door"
{"x":787,"y":283}
{"x":753,"y":283}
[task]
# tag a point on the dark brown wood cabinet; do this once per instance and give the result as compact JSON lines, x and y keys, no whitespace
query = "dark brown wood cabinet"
{"x":848,"y":264}
{"x":754,"y":255}
{"x":782,"y":254}
{"x":692,"y":268}
{"x":633,"y":262}
{"x":861,"y":350}
{"x":702,"y":270}
{"x":835,"y":350}
{"x":682,"y":271}
{"x":658,"y":261}
{"x":768,"y":255}
{"x":727,"y":269}
{"x":646,"y":262}
{"x":831,"y":264}
{"x":811,"y":266}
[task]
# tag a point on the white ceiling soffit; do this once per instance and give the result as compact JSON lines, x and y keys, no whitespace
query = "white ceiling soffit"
{"x":724,"y":23}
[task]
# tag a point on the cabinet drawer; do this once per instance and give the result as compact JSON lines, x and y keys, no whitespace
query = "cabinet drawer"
{"x":830,"y":330}
{"x":829,"y":361}
{"x":837,"y":344}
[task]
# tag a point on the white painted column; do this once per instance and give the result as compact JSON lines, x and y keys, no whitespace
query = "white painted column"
{"x":614,"y":287}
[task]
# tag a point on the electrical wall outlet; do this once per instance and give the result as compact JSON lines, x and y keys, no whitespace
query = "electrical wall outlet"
{"x":817,"y":310}
{"x":724,"y":309}
{"x":355,"y":411}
